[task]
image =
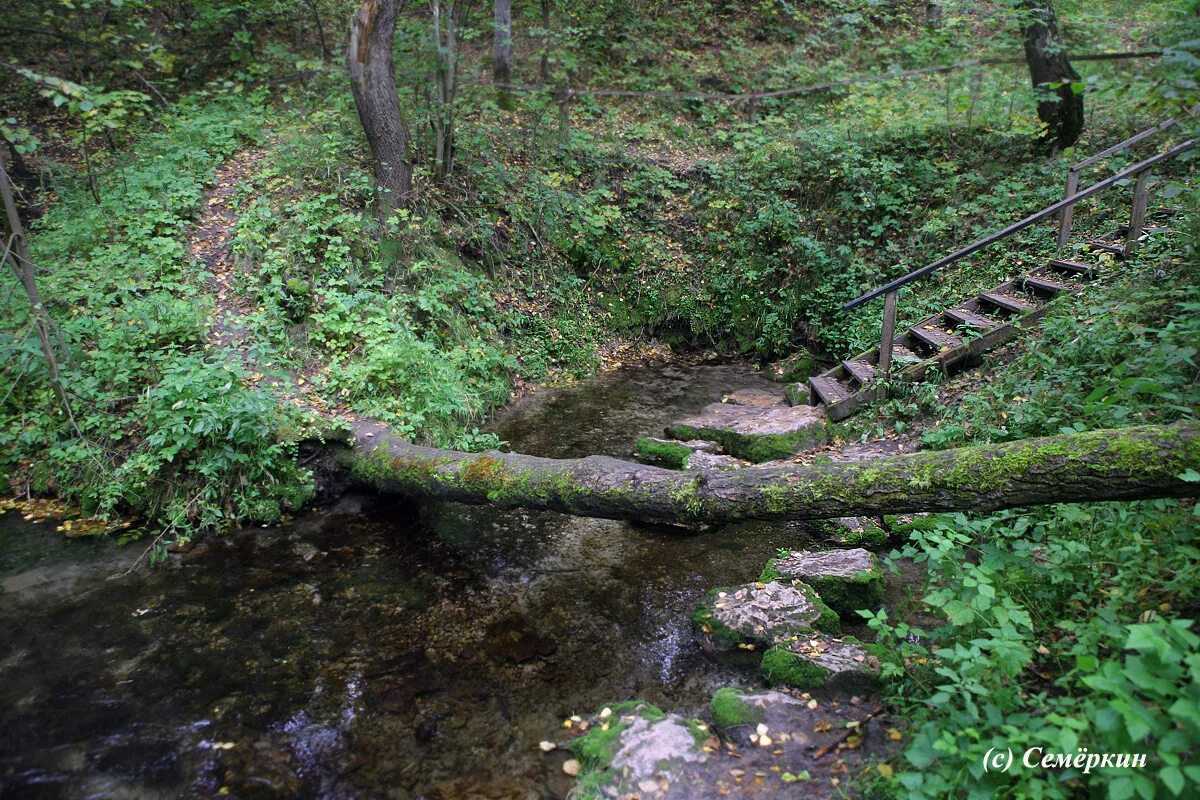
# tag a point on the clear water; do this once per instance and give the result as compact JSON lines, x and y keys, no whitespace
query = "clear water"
{"x":379,"y":648}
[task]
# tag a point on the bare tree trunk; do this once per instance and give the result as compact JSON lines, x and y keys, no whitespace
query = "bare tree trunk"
{"x":447,"y":19}
{"x":544,"y":63}
{"x":373,"y":82}
{"x":316,"y":15}
{"x":15,"y":252}
{"x":1048,"y":64}
{"x":1125,"y":464}
{"x":933,"y":14}
{"x":502,"y":49}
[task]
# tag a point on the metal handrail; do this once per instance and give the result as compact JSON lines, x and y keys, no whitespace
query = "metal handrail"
{"x":1048,"y":211}
{"x":1064,"y":223}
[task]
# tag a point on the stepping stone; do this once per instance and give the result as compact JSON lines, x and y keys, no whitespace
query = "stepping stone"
{"x":823,"y":662}
{"x":758,"y":615}
{"x":847,"y":580}
{"x":754,"y":433}
{"x":634,"y":749}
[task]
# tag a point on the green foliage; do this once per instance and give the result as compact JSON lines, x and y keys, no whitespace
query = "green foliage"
{"x":1066,"y":627}
{"x":161,"y":430}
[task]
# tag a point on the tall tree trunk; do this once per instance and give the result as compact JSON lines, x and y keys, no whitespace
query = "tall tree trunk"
{"x":446,"y":18}
{"x":1126,"y":464}
{"x":1048,"y":64}
{"x":373,"y":82}
{"x":544,"y":61}
{"x":502,"y":48}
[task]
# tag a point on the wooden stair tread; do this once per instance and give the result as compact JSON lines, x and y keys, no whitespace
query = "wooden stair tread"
{"x":830,"y":390}
{"x":902,"y":353}
{"x":1074,"y":267}
{"x":937,"y":339}
{"x":861,"y":371}
{"x":1008,"y":302}
{"x":1046,"y":284}
{"x":1107,"y":247}
{"x":963,"y":316}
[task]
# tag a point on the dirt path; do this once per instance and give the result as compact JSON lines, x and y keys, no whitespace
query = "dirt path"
{"x":210,"y":242}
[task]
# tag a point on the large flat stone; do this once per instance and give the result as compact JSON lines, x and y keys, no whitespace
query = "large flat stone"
{"x":756,"y":432}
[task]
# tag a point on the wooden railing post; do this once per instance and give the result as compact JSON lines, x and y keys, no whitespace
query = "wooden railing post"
{"x":885,"y":343}
{"x":1137,"y":217}
{"x":1064,"y":221}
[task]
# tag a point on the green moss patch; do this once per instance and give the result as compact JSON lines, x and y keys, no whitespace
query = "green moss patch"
{"x":656,"y":451}
{"x":754,"y":447}
{"x":728,"y":709}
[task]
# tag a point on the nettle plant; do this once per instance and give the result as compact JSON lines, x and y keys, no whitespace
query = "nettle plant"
{"x":1068,"y":629}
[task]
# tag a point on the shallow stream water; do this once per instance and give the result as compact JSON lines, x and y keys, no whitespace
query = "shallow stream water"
{"x":378,"y":648}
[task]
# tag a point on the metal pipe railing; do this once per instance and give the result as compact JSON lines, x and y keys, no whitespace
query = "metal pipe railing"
{"x":1068,"y":214}
{"x":1049,"y":211}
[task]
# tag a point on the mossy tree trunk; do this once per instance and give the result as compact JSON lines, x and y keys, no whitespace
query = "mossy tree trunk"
{"x":1127,"y":464}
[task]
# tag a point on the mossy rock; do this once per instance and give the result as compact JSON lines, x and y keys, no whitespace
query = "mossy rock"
{"x":755,"y":433}
{"x":855,"y":532}
{"x":847,"y":580}
{"x":754,"y":447}
{"x":728,"y":709}
{"x":823,"y":662}
{"x":634,"y":743}
{"x":657,"y":451}
{"x":755,"y":616}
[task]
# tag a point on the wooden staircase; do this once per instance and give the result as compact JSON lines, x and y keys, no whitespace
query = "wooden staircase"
{"x":952,"y":338}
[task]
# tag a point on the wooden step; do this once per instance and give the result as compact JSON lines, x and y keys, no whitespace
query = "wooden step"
{"x":1045,"y":284}
{"x":1115,"y":250}
{"x":962,"y":316}
{"x":1073,"y":267}
{"x":1008,"y":302}
{"x":829,"y":390}
{"x":903,"y":355}
{"x":938,"y":339}
{"x":862,"y":372}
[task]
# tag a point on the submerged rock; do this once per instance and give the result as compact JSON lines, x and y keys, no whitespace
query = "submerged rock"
{"x":847,"y":580}
{"x":822,"y":662}
{"x":756,"y":433}
{"x":759,"y":615}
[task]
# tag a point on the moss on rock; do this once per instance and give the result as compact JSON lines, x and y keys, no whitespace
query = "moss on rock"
{"x":754,"y":447}
{"x":729,"y":709}
{"x":656,"y":451}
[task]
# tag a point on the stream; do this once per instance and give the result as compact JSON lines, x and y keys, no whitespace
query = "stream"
{"x":377,"y":648}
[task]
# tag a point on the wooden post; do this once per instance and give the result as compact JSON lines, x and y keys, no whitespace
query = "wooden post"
{"x":1137,"y":218}
{"x":1064,"y":221}
{"x":885,"y":343}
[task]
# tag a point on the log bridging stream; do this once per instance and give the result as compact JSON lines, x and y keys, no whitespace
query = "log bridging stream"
{"x":1127,"y":464}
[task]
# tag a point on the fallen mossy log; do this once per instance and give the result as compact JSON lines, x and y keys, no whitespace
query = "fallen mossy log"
{"x":1124,"y":464}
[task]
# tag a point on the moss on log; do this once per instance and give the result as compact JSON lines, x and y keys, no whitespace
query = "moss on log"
{"x":1124,"y":464}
